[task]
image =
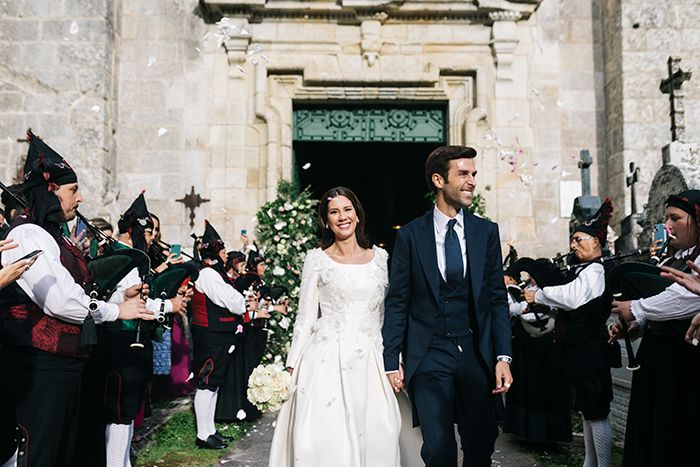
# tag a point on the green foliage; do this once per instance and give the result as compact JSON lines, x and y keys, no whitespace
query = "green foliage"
{"x":286,"y":231}
{"x":173,"y":443}
{"x":478,"y":206}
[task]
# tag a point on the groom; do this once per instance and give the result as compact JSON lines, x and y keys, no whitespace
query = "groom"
{"x":446,"y":314}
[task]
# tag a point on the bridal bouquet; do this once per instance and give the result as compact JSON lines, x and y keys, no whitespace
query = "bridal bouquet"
{"x":268,"y":387}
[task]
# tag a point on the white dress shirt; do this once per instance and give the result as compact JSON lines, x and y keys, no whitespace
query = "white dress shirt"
{"x":132,"y":279}
{"x":676,"y":302}
{"x":211,"y":284}
{"x":588,"y":285}
{"x":48,"y":283}
{"x":440,"y":221}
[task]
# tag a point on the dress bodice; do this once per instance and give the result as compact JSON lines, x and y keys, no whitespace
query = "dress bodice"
{"x":338,"y":298}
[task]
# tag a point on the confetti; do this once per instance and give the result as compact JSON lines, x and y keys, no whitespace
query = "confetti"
{"x":559,"y":103}
{"x":190,"y":376}
{"x":516,"y":116}
{"x":95,"y":108}
{"x":538,"y":98}
{"x":240,"y":68}
{"x":232,"y":348}
{"x":245,"y":32}
{"x":162,"y":131}
{"x":564,"y":173}
{"x":306,"y":166}
{"x":554,"y":220}
{"x":9,"y":139}
{"x":526,"y":179}
{"x":241,"y":414}
{"x":151,"y":61}
{"x":223,"y":210}
{"x":554,"y":167}
{"x":74,"y":28}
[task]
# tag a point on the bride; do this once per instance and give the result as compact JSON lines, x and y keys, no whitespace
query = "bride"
{"x":342,"y":412}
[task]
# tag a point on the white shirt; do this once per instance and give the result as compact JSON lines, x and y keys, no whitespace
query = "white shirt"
{"x":440,"y":221}
{"x":132,"y":279}
{"x":48,"y":283}
{"x":588,"y":285}
{"x":211,"y":284}
{"x":676,"y":302}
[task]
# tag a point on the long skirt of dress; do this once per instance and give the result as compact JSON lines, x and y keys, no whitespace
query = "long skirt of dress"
{"x":342,"y":412}
{"x":232,"y":403}
{"x":538,"y":406}
{"x":662,"y":419}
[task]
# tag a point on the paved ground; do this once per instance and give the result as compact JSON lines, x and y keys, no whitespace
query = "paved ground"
{"x":253,"y":449}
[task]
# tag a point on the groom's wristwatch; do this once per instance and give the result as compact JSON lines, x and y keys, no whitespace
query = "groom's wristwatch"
{"x":505,"y":358}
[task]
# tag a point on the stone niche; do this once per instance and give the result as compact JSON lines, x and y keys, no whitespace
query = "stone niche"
{"x":680,"y":171}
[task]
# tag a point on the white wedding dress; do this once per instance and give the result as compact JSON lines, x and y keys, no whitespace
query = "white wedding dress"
{"x":342,"y":411}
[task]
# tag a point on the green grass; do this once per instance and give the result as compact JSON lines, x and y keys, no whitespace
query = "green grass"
{"x":173,"y":444}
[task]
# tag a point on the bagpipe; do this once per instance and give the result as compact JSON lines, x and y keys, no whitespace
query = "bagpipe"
{"x":109,"y":269}
{"x":251,"y":284}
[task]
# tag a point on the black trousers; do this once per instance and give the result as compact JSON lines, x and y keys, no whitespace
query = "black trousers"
{"x":451,"y":386}
{"x":43,"y":393}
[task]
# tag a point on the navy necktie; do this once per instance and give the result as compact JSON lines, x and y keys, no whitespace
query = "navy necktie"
{"x":454,"y":265}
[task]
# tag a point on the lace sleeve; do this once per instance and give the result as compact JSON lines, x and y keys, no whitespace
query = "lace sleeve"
{"x":382,"y":261}
{"x":307,"y":312}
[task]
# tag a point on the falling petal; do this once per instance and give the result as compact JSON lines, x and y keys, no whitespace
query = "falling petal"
{"x":74,"y":28}
{"x":240,"y":68}
{"x":253,"y":61}
{"x":241,"y":414}
{"x":306,"y":166}
{"x":564,"y":173}
{"x":245,"y":32}
{"x":232,"y":348}
{"x":151,"y":60}
{"x":9,"y":139}
{"x":162,"y":131}
{"x":559,"y":103}
{"x":95,"y":108}
{"x":554,"y":220}
{"x":555,"y":167}
{"x":206,"y":36}
{"x":223,"y":210}
{"x":190,"y":376}
{"x":274,"y":424}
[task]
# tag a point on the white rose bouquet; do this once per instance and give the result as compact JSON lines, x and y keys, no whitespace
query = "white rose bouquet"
{"x":268,"y":387}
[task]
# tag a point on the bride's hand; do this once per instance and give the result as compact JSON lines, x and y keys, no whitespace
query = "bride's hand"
{"x":396,"y":379}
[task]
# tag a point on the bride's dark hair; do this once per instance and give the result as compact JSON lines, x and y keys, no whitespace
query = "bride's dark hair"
{"x":327,"y":236}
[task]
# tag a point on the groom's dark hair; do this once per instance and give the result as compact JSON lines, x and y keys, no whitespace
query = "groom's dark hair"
{"x":438,"y":161}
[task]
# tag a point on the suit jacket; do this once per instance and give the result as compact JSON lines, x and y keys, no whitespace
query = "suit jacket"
{"x":411,"y":305}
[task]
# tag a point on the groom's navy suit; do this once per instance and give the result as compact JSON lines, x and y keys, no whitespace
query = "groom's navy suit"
{"x":449,"y":336}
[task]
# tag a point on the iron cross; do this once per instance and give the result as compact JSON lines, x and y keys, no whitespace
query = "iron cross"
{"x":192,"y":201}
{"x":672,"y":86}
{"x":631,"y":180}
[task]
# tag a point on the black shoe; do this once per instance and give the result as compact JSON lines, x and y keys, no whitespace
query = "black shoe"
{"x":222,"y":437}
{"x":212,"y":442}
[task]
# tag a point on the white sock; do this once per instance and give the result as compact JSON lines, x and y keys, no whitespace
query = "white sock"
{"x":12,"y":461}
{"x":591,"y":459}
{"x":212,"y":413}
{"x":203,"y":399}
{"x":118,"y":440}
{"x":602,"y":438}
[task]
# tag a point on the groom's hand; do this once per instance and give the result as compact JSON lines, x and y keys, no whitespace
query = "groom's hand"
{"x":503,"y":378}
{"x":396,"y":379}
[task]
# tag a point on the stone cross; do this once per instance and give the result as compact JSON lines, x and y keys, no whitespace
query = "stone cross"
{"x":584,"y":164}
{"x":631,"y":180}
{"x":672,"y":86}
{"x":192,"y":201}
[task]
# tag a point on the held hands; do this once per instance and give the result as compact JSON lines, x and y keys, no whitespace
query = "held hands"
{"x":623,"y":310}
{"x":503,"y":378}
{"x":688,"y":280}
{"x":396,"y":379}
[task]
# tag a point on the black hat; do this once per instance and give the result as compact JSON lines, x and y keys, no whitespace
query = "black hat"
{"x":597,"y":225}
{"x":44,"y":166}
{"x":254,"y":258}
{"x":510,"y":259}
{"x":211,"y":242}
{"x":233,"y":258}
{"x":688,"y":201}
{"x":12,"y":202}
{"x":542,"y":270}
{"x":247,"y":282}
{"x":135,"y":221}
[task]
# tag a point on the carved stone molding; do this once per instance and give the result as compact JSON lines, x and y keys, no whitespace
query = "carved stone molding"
{"x":355,"y":11}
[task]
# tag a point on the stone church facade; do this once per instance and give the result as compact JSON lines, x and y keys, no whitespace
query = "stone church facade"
{"x":162,"y":95}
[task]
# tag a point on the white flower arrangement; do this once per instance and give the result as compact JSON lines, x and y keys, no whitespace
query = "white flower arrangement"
{"x":269,"y":387}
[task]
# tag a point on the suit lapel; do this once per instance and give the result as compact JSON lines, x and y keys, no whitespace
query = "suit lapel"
{"x":427,"y":253}
{"x":476,"y":251}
